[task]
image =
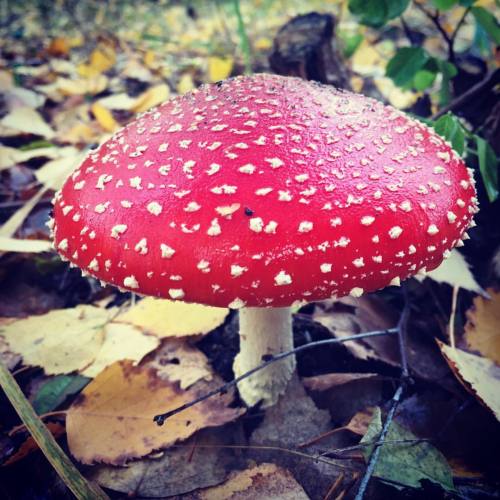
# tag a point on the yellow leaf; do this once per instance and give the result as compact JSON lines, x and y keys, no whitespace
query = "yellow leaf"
{"x":102,"y":59}
{"x":85,"y":86}
{"x":54,"y":172}
{"x":112,"y":421}
{"x":185,"y":83}
{"x":58,"y":47}
{"x":219,"y":69}
{"x":121,"y":342}
{"x":152,"y":97}
{"x":80,"y":133}
{"x":263,"y":43}
{"x":367,"y":61}
{"x":168,"y":318}
{"x":397,"y":97}
{"x":150,"y":59}
{"x":61,"y":341}
{"x":482,"y":331}
{"x":480,"y":376}
{"x":104,"y":117}
{"x":27,"y":121}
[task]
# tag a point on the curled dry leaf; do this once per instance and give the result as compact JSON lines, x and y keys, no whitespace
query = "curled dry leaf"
{"x":112,"y":420}
{"x":61,"y":341}
{"x":480,"y":376}
{"x":168,"y":318}
{"x":481,"y":331}
{"x":262,"y":481}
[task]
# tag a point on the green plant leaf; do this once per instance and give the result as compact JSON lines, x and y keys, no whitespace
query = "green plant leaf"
{"x":488,"y":166}
{"x":405,"y":64}
{"x":376,"y":13}
{"x":423,"y":79}
{"x":409,"y":462}
{"x":53,"y":392}
{"x":448,"y":71}
{"x":450,"y":128}
{"x":444,"y":4}
{"x":350,"y":43}
{"x":488,"y":22}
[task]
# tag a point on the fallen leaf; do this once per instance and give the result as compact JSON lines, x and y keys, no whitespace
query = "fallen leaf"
{"x":102,"y":58}
{"x":178,"y":361}
{"x":168,"y":318}
{"x":199,"y":462}
{"x":104,"y":117}
{"x":9,"y":358}
{"x":27,"y":121}
{"x":61,"y":341}
{"x":53,"y":173}
{"x":395,"y":95}
{"x":54,"y":391}
{"x":82,"y":86}
{"x":185,"y":83}
{"x":407,"y":463}
{"x":10,"y":156}
{"x":121,"y":341}
{"x":118,"y":101}
{"x":152,"y":97}
{"x":455,"y":272}
{"x":330,"y":380}
{"x":480,"y":376}
{"x":28,"y":246}
{"x":482,"y":333}
{"x":112,"y":421}
{"x":219,"y":68}
{"x":360,"y":422}
{"x":58,"y":47}
{"x":261,"y":481}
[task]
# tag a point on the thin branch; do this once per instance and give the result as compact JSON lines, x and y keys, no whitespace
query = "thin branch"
{"x":160,"y":419}
{"x":459,"y":24}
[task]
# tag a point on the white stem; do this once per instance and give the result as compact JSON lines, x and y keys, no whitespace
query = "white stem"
{"x":263,"y":332}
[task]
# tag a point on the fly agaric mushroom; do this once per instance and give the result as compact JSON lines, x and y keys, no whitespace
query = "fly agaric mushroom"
{"x":259,"y":193}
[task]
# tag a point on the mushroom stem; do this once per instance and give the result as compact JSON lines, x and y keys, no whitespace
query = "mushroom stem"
{"x":264,"y":332}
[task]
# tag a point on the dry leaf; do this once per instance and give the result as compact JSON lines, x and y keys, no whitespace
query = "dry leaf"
{"x":395,"y":95}
{"x":330,"y":380}
{"x":104,"y":117}
{"x":178,"y":361}
{"x":480,"y":376}
{"x":121,"y":342}
{"x":61,"y":341}
{"x":112,"y":421}
{"x":168,"y":318}
{"x":262,"y":481}
{"x":27,"y":121}
{"x":53,"y":173}
{"x":185,"y":83}
{"x":219,"y":68}
{"x":118,"y":101}
{"x":482,"y":332}
{"x":152,"y":97}
{"x":456,"y":272}
{"x":82,"y":86}
{"x":28,"y":246}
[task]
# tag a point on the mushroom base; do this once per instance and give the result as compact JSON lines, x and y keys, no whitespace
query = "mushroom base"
{"x":264,"y":332}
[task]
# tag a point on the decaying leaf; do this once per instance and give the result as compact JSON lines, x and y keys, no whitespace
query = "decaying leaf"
{"x":480,"y":376}
{"x":329,"y":380}
{"x":121,"y":341}
{"x":482,"y":332}
{"x":61,"y":341}
{"x":27,"y":121}
{"x":53,"y":173}
{"x":82,"y":86}
{"x":152,"y":97}
{"x":456,"y":272}
{"x":168,"y":318}
{"x":112,"y":421}
{"x":177,"y":361}
{"x":406,"y":463}
{"x":261,"y":481}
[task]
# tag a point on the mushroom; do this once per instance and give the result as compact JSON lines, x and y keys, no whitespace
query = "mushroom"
{"x":260,"y":193}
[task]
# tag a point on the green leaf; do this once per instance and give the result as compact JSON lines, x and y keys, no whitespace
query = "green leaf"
{"x":406,"y":463}
{"x":488,"y":166}
{"x":53,"y":392}
{"x":450,"y":128}
{"x":405,"y":64}
{"x":423,"y":79}
{"x":376,"y":13}
{"x":448,"y":71}
{"x":488,"y":22}
{"x":350,"y":43}
{"x":444,"y":4}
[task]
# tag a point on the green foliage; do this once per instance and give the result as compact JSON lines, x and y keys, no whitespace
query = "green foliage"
{"x":488,"y":166}
{"x":404,"y":459}
{"x":444,"y":4}
{"x":405,"y":64}
{"x":451,"y":129}
{"x":488,"y":22}
{"x":376,"y":13}
{"x":423,"y":79}
{"x":53,"y":392}
{"x":350,"y":43}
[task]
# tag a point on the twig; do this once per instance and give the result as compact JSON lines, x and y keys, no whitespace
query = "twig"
{"x":491,"y":79}
{"x":160,"y":419}
{"x":451,"y":327}
{"x":81,"y":488}
{"x":372,"y":462}
{"x":459,"y":24}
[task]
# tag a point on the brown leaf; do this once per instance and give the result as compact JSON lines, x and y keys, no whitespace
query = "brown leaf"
{"x":112,"y":421}
{"x":262,"y":481}
{"x":482,"y":332}
{"x":330,"y":380}
{"x":480,"y":376}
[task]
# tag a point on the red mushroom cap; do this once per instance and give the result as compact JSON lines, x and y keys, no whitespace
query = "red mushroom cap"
{"x":264,"y":190}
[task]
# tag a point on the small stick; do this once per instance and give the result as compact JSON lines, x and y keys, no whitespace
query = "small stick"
{"x":160,"y":419}
{"x":451,"y":327}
